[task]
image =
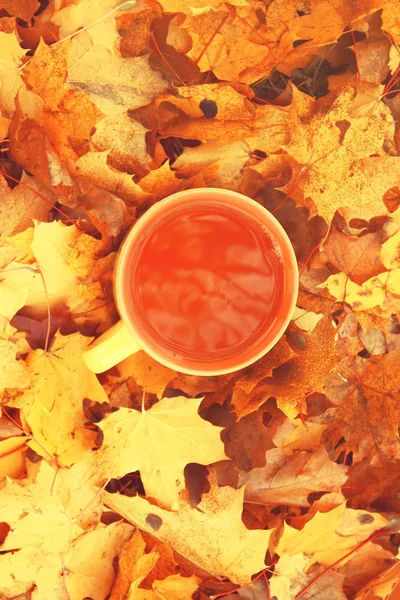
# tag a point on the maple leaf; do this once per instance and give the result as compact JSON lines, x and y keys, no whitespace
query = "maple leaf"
{"x":173,"y":587}
{"x":367,"y":417}
{"x":151,"y":375}
{"x":289,"y":576}
{"x":23,"y":204}
{"x":52,"y":406}
{"x":305,"y":372}
{"x":382,"y":586}
{"x":24,"y":10}
{"x":113,"y":83}
{"x":132,"y":566}
{"x":22,"y":502}
{"x":223,"y":54}
{"x":344,"y":527}
{"x":86,"y":567}
{"x":94,"y":167}
{"x":337,"y":162}
{"x":14,"y":372}
{"x":159,"y":443}
{"x":203,"y":536}
{"x":10,"y":77}
{"x":290,"y":482}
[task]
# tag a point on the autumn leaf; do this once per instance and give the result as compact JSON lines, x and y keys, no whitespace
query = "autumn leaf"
{"x":203,"y":536}
{"x":142,"y":482}
{"x":87,"y":566}
{"x":52,"y":406}
{"x":343,"y":527}
{"x":158,"y":442}
{"x":338,"y":163}
{"x":364,"y":390}
{"x":290,"y":482}
{"x":306,"y":372}
{"x":173,"y":587}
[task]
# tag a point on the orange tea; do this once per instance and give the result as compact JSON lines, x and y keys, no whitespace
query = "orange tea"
{"x":208,"y":281}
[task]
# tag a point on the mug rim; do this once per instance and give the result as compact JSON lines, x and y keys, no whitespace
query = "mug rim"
{"x":126,"y":250}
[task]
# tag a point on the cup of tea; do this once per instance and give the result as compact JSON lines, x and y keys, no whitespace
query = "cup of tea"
{"x":205,"y":282}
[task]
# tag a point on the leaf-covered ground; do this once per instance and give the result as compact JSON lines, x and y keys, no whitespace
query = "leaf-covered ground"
{"x":289,"y":489}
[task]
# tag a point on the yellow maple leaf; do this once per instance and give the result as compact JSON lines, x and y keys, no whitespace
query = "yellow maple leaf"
{"x":336,"y":151}
{"x":204,"y":536}
{"x":174,"y":587}
{"x":159,"y":442}
{"x":52,"y":406}
{"x":151,"y":375}
{"x":84,"y":570}
{"x":344,"y":528}
{"x":11,"y":54}
{"x":24,"y":504}
{"x":289,"y":576}
{"x":14,"y":373}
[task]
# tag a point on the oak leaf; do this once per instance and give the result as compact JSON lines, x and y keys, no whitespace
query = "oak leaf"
{"x":204,"y":536}
{"x":52,"y":406}
{"x":159,"y":443}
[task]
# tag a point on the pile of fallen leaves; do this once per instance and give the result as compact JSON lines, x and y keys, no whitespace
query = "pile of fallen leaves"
{"x":288,"y":485}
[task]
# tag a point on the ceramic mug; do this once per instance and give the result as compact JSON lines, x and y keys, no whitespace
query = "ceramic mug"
{"x":205,"y":282}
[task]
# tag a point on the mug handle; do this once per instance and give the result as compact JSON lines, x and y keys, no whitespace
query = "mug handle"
{"x":112,"y":347}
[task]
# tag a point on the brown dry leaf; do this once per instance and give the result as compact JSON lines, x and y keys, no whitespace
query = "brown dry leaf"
{"x":28,"y":201}
{"x":291,"y":481}
{"x":357,"y":257}
{"x":382,"y":586}
{"x":52,"y":406}
{"x":365,"y":392}
{"x":24,"y":9}
{"x":306,"y":372}
{"x":174,"y":587}
{"x":245,"y":395}
{"x":159,"y":443}
{"x":204,"y":536}
{"x":343,"y":527}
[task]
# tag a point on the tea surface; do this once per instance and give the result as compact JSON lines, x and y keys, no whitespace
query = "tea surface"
{"x":207,"y":282}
